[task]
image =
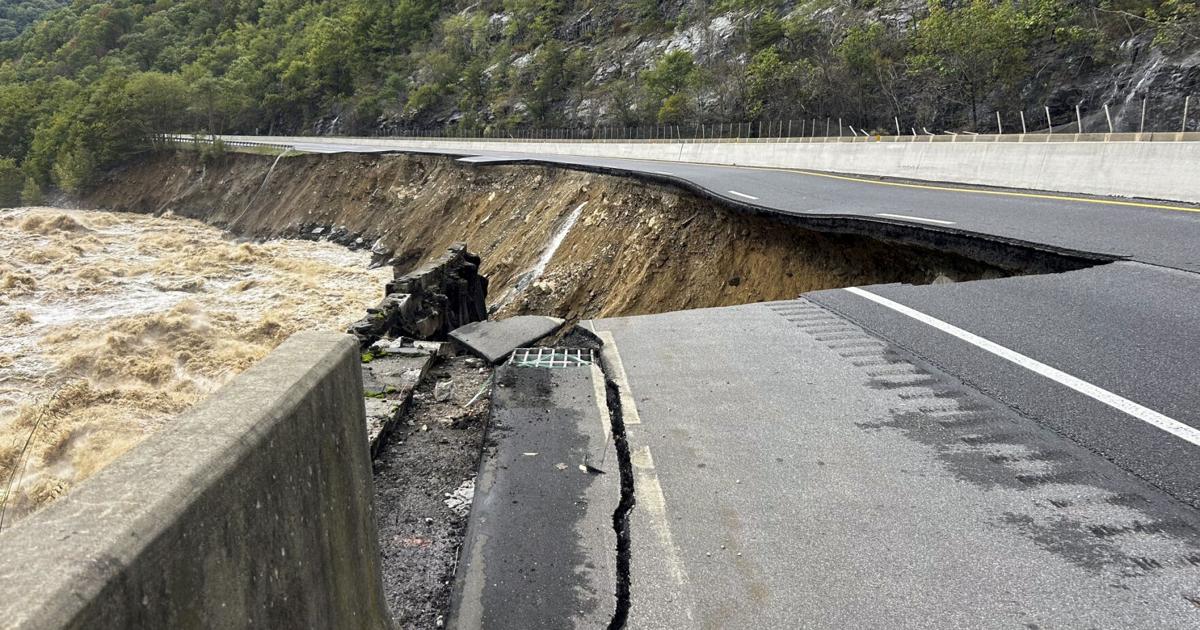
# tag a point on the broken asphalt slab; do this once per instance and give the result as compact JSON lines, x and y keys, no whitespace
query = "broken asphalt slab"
{"x":541,"y":550}
{"x":495,"y":340}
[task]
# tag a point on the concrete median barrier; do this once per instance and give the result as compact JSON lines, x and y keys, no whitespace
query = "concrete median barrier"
{"x":252,"y":510}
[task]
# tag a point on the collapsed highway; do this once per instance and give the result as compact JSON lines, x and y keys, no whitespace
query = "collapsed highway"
{"x":1003,"y":434}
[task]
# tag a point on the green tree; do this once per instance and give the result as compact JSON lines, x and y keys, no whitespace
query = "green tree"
{"x":872,"y":57}
{"x":970,"y":51}
{"x":31,"y":193}
{"x":671,"y":79}
{"x":11,"y":180}
{"x":777,"y":88}
{"x":155,"y":103}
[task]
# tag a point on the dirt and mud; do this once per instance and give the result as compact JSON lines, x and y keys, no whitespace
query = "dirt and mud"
{"x":111,"y":324}
{"x":558,"y":242}
{"x":429,"y":458}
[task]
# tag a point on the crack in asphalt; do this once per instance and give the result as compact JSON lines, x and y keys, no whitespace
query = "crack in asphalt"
{"x":625,"y":506}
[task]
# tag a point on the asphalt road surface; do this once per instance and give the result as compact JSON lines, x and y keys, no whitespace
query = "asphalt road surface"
{"x":1022,"y":452}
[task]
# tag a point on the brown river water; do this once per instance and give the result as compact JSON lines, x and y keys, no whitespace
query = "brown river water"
{"x":111,"y":324}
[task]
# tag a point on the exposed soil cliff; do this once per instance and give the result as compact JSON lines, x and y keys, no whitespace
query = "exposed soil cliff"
{"x":553,"y":241}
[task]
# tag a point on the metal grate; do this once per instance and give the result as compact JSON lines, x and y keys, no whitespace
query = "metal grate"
{"x":552,"y":357}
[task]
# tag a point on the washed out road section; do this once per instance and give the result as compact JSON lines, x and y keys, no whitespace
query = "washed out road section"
{"x":1116,"y":227}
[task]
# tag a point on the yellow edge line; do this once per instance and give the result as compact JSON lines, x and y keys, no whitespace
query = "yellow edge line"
{"x":1002,"y":193}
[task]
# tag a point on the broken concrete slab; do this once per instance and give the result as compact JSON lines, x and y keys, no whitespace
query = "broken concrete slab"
{"x":541,"y":550}
{"x":495,"y":340}
{"x":388,"y":384}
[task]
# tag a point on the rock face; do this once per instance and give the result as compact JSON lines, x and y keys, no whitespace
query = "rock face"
{"x":430,"y":302}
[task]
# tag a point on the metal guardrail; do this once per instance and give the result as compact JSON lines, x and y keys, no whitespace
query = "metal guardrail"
{"x":198,"y":140}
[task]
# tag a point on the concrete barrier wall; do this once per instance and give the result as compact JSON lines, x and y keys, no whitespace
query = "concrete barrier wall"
{"x":253,"y":510}
{"x":1152,"y":170}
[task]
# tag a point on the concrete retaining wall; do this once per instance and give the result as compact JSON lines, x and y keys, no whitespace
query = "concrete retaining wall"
{"x":1147,"y":169}
{"x":253,"y":510}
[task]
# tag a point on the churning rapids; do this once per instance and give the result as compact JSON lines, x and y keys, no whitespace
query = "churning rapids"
{"x":111,"y":324}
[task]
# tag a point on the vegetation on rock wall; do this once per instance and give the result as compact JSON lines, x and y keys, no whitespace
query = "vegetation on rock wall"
{"x":90,"y":85}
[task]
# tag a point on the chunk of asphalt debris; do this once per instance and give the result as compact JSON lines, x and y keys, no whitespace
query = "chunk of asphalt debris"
{"x":443,"y":390}
{"x":495,"y":340}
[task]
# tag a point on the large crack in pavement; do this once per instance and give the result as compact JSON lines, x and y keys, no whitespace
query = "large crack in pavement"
{"x":625,"y":506}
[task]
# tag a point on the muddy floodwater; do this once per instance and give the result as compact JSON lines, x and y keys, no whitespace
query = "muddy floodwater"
{"x":111,"y":324}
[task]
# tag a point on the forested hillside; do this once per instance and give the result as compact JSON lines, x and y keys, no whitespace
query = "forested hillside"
{"x":83,"y":90}
{"x":15,"y":15}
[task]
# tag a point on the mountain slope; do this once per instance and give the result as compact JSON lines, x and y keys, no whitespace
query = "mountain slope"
{"x":82,"y":90}
{"x":17,"y":15}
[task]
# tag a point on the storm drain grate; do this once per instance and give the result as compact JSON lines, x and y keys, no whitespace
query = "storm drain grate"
{"x":552,"y":357}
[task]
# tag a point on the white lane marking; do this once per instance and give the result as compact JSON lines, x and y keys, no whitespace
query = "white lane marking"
{"x":1145,"y":414}
{"x":629,"y":412}
{"x":598,"y":392}
{"x":905,"y":216}
{"x":651,"y":499}
{"x":742,"y":194}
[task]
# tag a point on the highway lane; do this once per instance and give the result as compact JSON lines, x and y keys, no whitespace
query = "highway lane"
{"x":1146,"y":231}
{"x":1128,"y":328}
{"x":793,"y":470}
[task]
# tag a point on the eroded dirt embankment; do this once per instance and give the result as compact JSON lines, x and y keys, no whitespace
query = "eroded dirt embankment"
{"x":631,"y":248}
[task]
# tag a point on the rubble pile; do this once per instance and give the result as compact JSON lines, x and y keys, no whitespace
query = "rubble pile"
{"x":430,"y":302}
